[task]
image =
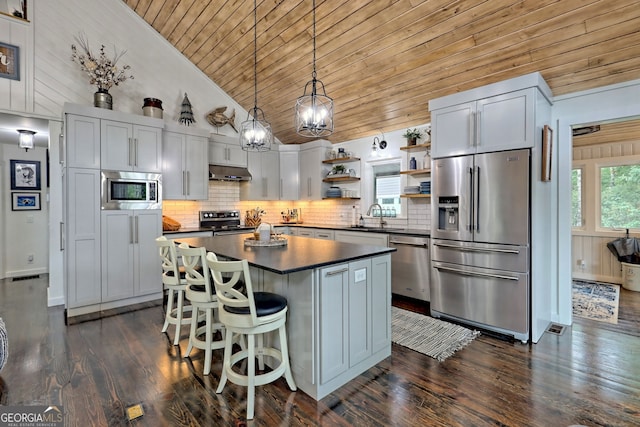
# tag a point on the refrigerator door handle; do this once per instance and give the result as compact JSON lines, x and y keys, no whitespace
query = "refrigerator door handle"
{"x":473,"y":273}
{"x":470,"y":219}
{"x":465,"y":249}
{"x":476,"y":204}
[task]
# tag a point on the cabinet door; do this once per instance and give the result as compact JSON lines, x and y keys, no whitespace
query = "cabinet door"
{"x":333,"y":314}
{"x":227,"y":154}
{"x":82,"y":142}
{"x":117,"y":145}
{"x":173,"y":176}
{"x":359,"y":311}
{"x":118,"y":242}
{"x":323,"y":234}
{"x":147,"y":149}
{"x":82,"y":237}
{"x":452,"y":130}
{"x":289,"y":176}
{"x":302,"y":232}
{"x":196,"y":167}
{"x":236,"y":156}
{"x":217,"y":153}
{"x":311,"y":173}
{"x":147,"y":275}
{"x":505,"y":122}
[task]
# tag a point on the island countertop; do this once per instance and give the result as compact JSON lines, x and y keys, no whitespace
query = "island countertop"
{"x":300,"y":253}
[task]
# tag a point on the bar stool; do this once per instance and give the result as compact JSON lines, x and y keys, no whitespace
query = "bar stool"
{"x":176,"y":283}
{"x":252,"y":314}
{"x":201,"y":293}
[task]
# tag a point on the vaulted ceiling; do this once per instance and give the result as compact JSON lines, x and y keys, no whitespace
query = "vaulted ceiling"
{"x":383,"y":60}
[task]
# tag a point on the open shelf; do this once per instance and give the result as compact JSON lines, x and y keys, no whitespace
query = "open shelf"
{"x":417,"y":147}
{"x":341,"y":179}
{"x":416,"y":172}
{"x":416,"y":196}
{"x":341,"y":160}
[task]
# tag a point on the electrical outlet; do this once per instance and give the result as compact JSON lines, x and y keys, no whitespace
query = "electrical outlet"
{"x":30,"y":258}
{"x":581,"y":263}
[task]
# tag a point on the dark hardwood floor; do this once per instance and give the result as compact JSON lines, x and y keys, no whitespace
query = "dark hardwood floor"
{"x":589,"y":375}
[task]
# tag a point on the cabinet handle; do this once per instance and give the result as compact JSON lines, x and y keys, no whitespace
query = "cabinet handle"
{"x":62,"y":236}
{"x":264,"y":187}
{"x":136,"y":224}
{"x":184,"y":179}
{"x":135,"y":152}
{"x":281,"y":188}
{"x":188,"y":183}
{"x":309,"y":186}
{"x":131,"y":238}
{"x":336,"y":272}
{"x":472,"y":128}
{"x":130,"y":156}
{"x":478,"y":128}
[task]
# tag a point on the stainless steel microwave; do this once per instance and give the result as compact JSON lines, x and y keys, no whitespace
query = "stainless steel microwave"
{"x":131,"y":190}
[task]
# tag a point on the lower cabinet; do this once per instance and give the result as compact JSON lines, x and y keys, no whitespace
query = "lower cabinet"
{"x":362,"y":238}
{"x":354,"y":305}
{"x":130,"y":263}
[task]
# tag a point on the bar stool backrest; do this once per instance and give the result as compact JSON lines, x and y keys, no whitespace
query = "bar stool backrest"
{"x":169,"y":258}
{"x":227,"y":292}
{"x":194,"y":262}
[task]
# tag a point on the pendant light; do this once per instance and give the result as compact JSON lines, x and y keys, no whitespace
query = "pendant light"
{"x":26,"y":139}
{"x":314,"y":111}
{"x":255,"y":132}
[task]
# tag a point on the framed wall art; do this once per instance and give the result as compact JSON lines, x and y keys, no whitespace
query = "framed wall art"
{"x":25,"y":174}
{"x":25,"y":201}
{"x":547,"y":151}
{"x":9,"y":61}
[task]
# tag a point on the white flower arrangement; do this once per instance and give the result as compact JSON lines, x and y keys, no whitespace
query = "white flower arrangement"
{"x":103,"y":71}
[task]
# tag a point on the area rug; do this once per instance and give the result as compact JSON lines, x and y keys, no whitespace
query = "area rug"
{"x":424,"y":334}
{"x":596,"y":301}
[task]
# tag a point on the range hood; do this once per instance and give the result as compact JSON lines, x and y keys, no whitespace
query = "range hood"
{"x":228,"y":173}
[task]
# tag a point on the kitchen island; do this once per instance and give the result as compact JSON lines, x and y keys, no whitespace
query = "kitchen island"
{"x":339,"y":297}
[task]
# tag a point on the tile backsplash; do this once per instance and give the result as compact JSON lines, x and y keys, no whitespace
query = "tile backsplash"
{"x":226,"y":195}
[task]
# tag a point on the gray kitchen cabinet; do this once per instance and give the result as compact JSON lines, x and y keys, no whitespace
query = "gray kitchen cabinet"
{"x":82,"y":236}
{"x":313,"y":232}
{"x":311,"y":173}
{"x":129,"y":254}
{"x":130,"y":147}
{"x":226,"y":150}
{"x":83,"y":142}
{"x":495,"y":117}
{"x":353,"y":318}
{"x":264,"y":167}
{"x":289,"y":175}
{"x":185,"y":167}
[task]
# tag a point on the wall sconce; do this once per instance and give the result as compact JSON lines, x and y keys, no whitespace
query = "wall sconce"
{"x":378,"y":145}
{"x":26,"y":139}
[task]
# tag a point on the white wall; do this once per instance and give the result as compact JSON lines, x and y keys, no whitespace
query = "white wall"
{"x":615,"y":102}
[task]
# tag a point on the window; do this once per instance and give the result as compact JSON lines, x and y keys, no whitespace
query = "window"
{"x":387,"y":188}
{"x":619,"y":201}
{"x":576,"y":198}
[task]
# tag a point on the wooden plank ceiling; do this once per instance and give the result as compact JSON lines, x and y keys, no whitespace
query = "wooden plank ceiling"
{"x":383,"y":60}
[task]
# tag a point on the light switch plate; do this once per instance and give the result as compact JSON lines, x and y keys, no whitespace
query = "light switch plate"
{"x":361,"y":275}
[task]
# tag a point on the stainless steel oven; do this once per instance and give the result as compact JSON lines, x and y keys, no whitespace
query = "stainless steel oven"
{"x":223,"y":222}
{"x":131,"y":190}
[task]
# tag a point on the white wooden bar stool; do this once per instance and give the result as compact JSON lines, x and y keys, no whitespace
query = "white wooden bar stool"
{"x":252,"y":314}
{"x":175,"y":283}
{"x":201,"y":293}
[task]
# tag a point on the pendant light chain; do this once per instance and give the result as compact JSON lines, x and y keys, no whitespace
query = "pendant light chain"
{"x":255,"y":57}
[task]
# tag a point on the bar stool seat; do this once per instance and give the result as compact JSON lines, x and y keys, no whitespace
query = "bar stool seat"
{"x":249,"y":314}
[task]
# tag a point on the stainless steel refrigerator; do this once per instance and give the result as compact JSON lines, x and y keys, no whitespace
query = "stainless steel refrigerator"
{"x":481,"y":241}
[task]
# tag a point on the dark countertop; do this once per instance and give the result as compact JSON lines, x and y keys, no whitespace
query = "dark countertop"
{"x":390,"y":230}
{"x":301,"y":253}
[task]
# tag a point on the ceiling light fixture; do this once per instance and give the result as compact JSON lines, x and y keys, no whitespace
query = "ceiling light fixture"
{"x":26,"y":139}
{"x":314,"y":111}
{"x":255,"y":132}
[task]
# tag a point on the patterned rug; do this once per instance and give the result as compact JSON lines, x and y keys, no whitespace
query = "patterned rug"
{"x":426,"y":335}
{"x":596,"y":301}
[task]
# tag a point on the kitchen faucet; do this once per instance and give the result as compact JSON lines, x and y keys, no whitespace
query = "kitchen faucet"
{"x":382,"y":222}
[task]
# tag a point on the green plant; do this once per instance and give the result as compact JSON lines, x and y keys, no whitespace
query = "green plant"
{"x":338,"y":169}
{"x":412,"y":134}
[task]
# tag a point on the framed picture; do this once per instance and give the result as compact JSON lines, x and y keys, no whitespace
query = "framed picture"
{"x":25,"y":201}
{"x":9,"y":61}
{"x":547,"y":150}
{"x":25,"y":174}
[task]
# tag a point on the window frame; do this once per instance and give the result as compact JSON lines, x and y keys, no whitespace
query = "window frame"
{"x":598,"y":165}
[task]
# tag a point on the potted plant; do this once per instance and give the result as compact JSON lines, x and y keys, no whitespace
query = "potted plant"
{"x":412,"y":136}
{"x":338,"y":170}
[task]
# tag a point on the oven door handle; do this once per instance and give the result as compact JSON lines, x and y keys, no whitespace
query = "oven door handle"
{"x":475,"y":273}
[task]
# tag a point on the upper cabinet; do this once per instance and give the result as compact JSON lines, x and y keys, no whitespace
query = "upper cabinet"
{"x":289,"y":173}
{"x":265,"y":176}
{"x":495,"y":117}
{"x":131,"y":147}
{"x":185,"y":167}
{"x":312,"y":172}
{"x":226,"y":150}
{"x":83,"y":142}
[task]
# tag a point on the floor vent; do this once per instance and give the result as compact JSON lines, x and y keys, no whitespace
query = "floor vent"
{"x":134,"y":412}
{"x":556,"y":329}
{"x":15,"y":279}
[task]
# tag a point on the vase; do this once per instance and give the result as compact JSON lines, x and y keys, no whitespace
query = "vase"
{"x":102,"y":99}
{"x":412,"y":141}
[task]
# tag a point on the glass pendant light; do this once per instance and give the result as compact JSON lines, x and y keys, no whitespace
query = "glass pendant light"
{"x":314,"y":111}
{"x":255,"y":132}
